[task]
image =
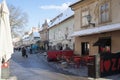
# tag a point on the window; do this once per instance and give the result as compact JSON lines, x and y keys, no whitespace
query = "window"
{"x":85,"y":48}
{"x":84,"y":19}
{"x":105,"y":12}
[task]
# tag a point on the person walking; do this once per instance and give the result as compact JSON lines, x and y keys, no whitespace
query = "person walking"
{"x":24,"y":52}
{"x":30,"y":50}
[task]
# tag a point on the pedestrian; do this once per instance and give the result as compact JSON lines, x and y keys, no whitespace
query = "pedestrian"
{"x":19,"y":48}
{"x":24,"y":52}
{"x":30,"y":50}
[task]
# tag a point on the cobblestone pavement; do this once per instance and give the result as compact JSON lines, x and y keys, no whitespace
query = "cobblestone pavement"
{"x":35,"y":68}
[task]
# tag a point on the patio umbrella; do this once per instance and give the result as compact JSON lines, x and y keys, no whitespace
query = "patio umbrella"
{"x":6,"y":47}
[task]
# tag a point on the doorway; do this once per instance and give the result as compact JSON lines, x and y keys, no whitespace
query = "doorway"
{"x":85,"y":48}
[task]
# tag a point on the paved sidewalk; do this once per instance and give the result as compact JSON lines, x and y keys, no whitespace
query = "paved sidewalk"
{"x":81,"y":71}
{"x":11,"y":78}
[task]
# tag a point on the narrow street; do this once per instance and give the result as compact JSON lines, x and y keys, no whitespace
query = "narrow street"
{"x":34,"y":68}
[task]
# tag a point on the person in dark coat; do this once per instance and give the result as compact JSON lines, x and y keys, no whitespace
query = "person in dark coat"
{"x":24,"y":52}
{"x":30,"y":50}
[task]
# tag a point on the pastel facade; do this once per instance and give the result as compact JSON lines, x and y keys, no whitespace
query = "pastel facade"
{"x":101,"y":33}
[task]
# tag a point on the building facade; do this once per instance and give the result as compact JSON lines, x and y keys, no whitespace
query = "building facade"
{"x":44,"y":42}
{"x":30,"y":37}
{"x":60,"y":29}
{"x":97,"y":26}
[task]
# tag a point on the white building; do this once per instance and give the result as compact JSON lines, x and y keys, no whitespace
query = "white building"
{"x":32,"y":37}
{"x":60,"y":29}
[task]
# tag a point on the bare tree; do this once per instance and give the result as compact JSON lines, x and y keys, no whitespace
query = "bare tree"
{"x":17,"y":17}
{"x":18,"y":20}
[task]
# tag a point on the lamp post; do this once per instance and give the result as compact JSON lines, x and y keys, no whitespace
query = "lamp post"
{"x":89,"y":18}
{"x":96,"y":63}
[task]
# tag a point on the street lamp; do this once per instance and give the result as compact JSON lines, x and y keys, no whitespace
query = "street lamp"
{"x":89,"y":18}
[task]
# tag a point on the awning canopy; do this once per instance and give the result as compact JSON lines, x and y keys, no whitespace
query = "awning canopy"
{"x":103,"y":42}
{"x":96,"y":30}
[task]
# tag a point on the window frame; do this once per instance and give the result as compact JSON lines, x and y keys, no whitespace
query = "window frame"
{"x":107,"y":12}
{"x":83,"y":17}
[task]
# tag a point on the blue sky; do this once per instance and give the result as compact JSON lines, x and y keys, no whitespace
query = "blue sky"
{"x":39,"y":10}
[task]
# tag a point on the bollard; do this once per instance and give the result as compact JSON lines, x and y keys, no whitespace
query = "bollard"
{"x":97,"y":65}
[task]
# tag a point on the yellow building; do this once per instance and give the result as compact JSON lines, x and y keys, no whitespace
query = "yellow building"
{"x":97,"y":26}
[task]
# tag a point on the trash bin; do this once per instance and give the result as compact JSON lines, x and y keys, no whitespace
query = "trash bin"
{"x":5,"y":73}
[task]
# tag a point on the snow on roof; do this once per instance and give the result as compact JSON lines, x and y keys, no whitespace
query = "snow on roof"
{"x":26,"y":39}
{"x":25,"y":36}
{"x":61,"y":17}
{"x":96,"y":30}
{"x":36,"y":34}
{"x":41,"y":28}
{"x":75,"y":2}
{"x":16,"y":39}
